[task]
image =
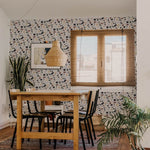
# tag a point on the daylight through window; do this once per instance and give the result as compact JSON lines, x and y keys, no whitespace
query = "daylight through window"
{"x":104,"y":57}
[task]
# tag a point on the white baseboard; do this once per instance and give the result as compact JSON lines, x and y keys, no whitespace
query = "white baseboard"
{"x":4,"y":124}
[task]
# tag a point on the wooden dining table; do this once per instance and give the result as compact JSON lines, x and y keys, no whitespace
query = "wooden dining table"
{"x":49,"y":95}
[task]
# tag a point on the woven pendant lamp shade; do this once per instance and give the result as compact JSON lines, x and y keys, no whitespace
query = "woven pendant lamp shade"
{"x":56,"y":57}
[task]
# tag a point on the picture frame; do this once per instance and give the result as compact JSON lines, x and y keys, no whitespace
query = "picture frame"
{"x":38,"y":53}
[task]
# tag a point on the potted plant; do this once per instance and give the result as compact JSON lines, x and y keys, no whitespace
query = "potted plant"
{"x":129,"y":124}
{"x":19,"y":73}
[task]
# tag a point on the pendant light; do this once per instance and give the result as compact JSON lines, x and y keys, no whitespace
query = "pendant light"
{"x":56,"y":57}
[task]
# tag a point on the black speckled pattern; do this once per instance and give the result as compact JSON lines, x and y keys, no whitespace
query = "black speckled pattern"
{"x":25,"y":32}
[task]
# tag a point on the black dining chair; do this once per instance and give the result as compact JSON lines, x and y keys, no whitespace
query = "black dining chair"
{"x":25,"y":116}
{"x":93,"y":110}
{"x":82,"y":117}
{"x":35,"y":112}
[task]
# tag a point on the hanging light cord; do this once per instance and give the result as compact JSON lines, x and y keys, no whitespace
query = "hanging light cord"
{"x":29,"y":10}
{"x":81,"y":41}
{"x":80,"y":51}
{"x":122,"y":57}
{"x":122,"y":39}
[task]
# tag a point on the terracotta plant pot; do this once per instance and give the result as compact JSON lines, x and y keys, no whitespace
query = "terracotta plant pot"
{"x":124,"y":143}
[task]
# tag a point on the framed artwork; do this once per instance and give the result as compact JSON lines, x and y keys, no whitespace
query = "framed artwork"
{"x":38,"y":52}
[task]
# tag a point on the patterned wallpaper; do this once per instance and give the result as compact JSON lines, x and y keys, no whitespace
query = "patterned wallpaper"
{"x":25,"y":32}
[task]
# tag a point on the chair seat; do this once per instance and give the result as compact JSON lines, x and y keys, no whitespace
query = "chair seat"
{"x":80,"y":112}
{"x":51,"y":111}
{"x":70,"y":115}
{"x":35,"y":115}
{"x":69,"y":111}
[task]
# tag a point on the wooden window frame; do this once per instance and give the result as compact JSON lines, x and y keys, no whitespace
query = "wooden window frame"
{"x":130,"y":57}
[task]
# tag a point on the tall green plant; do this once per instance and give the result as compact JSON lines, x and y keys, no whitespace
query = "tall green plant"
{"x":19,"y":72}
{"x":132,"y":121}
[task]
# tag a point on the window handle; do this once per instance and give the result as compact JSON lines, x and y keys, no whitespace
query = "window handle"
{"x":101,"y":64}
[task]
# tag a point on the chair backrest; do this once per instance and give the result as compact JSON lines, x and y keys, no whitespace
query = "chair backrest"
{"x":35,"y":106}
{"x":94,"y":103}
{"x":89,"y":103}
{"x":11,"y":105}
{"x":29,"y":108}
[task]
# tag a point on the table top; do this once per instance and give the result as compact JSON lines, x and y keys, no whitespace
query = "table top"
{"x":51,"y":92}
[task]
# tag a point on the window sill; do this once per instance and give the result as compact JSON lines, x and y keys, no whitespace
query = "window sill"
{"x":106,"y":89}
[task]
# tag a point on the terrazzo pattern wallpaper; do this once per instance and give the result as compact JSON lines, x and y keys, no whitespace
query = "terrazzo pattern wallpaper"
{"x":25,"y":32}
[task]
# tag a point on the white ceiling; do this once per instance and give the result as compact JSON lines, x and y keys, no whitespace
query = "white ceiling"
{"x":45,"y":9}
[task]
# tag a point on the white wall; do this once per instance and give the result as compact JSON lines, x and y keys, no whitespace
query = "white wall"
{"x":4,"y":47}
{"x":68,"y":8}
{"x":143,"y":58}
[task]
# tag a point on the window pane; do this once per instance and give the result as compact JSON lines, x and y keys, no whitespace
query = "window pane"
{"x":115,"y":58}
{"x":86,"y":59}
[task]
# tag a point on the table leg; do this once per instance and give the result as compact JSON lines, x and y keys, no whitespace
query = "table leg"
{"x":19,"y":121}
{"x":76,"y":123}
{"x":43,"y":120}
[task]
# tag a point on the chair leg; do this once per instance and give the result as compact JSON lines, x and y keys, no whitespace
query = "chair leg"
{"x":48,"y":128}
{"x":70,"y":125}
{"x":87,"y":132}
{"x":90,"y":132}
{"x":12,"y":143}
{"x":66,"y":129}
{"x":82,"y":135}
{"x":25,"y":127}
{"x":40,"y":141}
{"x":53,"y":120}
{"x":61,"y":121}
{"x":55,"y":141}
{"x":63,"y":125}
{"x":31,"y":126}
{"x":93,"y":128}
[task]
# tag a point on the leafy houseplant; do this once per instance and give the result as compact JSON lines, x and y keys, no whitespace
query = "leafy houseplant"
{"x":132,"y":122}
{"x":19,"y":72}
